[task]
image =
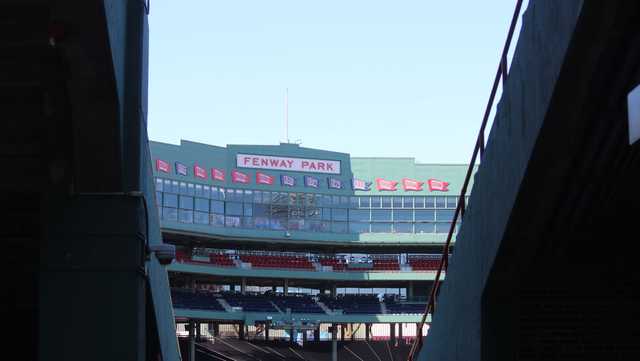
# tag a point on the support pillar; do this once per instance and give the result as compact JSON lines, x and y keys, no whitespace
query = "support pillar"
{"x":304,"y":336}
{"x":392,"y":332}
{"x":316,"y":334}
{"x":198,"y":331}
{"x":334,"y":342}
{"x":285,"y":289}
{"x":333,"y":291}
{"x":192,"y":340}
{"x":410,"y":290}
{"x":216,"y":329}
{"x":241,"y":329}
{"x":292,"y":335}
{"x":266,"y":331}
{"x":353,"y":334}
{"x":367,"y":331}
{"x":243,"y":286}
{"x":342,"y":331}
{"x":400,"y":331}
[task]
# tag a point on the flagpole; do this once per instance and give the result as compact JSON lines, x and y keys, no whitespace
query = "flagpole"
{"x":286,"y":115}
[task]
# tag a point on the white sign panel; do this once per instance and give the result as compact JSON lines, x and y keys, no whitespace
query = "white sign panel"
{"x":288,"y":164}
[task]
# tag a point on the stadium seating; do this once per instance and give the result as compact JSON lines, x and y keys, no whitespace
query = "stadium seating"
{"x":278,"y":261}
{"x":386,"y":264}
{"x":338,"y":264}
{"x":394,"y":306}
{"x":351,"y":304}
{"x":424,"y":263}
{"x":297,"y":304}
{"x":194,"y":299}
{"x":249,"y":302}
{"x":221,"y":259}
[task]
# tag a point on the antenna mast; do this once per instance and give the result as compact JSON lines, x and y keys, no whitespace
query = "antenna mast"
{"x":286,"y":115}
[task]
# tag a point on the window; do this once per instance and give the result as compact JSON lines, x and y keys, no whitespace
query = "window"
{"x":247,"y":222}
{"x":344,"y":201}
{"x":365,"y":202}
{"x":442,"y":227}
{"x":183,"y":188}
{"x":216,"y":220}
{"x":248,"y":209}
{"x":190,"y":189}
{"x":159,"y":184}
{"x":201,"y":218}
{"x":198,"y":190}
{"x":402,"y":215}
{"x":257,"y":196}
{"x":375,"y":202}
{"x":359,"y":215}
{"x":424,"y":215}
{"x":424,"y":228}
{"x":217,"y":193}
{"x":170,"y":214}
{"x":326,"y":214}
{"x":232,"y":221}
{"x":170,"y":200}
{"x":381,"y":227}
{"x":445,"y":215}
{"x":185,"y":216}
{"x":407,"y":202}
{"x":397,"y":202}
{"x":248,"y":196}
{"x":206,"y":192}
{"x":429,"y":202}
{"x":233,"y":209}
{"x":441,"y":202}
{"x":217,"y":207}
{"x":339,"y":227}
{"x":380,"y":215}
{"x":419,"y":202}
{"x":158,"y":198}
{"x":202,"y":205}
{"x":355,"y":227}
{"x":386,"y":202}
{"x":339,"y":214}
{"x":167,"y":186}
{"x":186,"y":202}
{"x":175,"y":187}
{"x":403,"y":227}
{"x":451,"y":201}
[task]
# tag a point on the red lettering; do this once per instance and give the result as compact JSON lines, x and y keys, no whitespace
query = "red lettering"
{"x":330,"y":166}
{"x":274,"y":162}
{"x":245,"y":160}
{"x":320,"y":165}
{"x":283,"y":164}
{"x":290,"y":163}
{"x":264,"y":162}
{"x":305,"y":164}
{"x":255,"y":162}
{"x":312,"y":165}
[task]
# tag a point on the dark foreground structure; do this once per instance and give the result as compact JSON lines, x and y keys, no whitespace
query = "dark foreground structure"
{"x":79,"y":218}
{"x":544,"y":266}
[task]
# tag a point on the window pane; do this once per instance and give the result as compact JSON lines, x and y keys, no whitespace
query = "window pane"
{"x":425,"y":215}
{"x":183,"y":188}
{"x":380,"y":215}
{"x":167,"y":186}
{"x":424,"y":227}
{"x":175,"y":187}
{"x":335,"y":200}
{"x":419,"y":202}
{"x":440,"y":202}
{"x":257,"y":196}
{"x":344,"y":201}
{"x":170,"y":214}
{"x":248,"y":209}
{"x":326,"y":214}
{"x":158,"y":198}
{"x":339,"y":214}
{"x":261,"y":222}
{"x":185,"y":216}
{"x":402,"y":215}
{"x":451,"y":201}
{"x":198,"y":192}
{"x":206,"y":192}
{"x":232,"y":221}
{"x":248,"y":196}
{"x":353,"y":202}
{"x":443,"y":227}
{"x":339,"y":227}
{"x":403,"y":227}
{"x":375,"y":202}
{"x":277,"y":223}
{"x":186,"y":202}
{"x":365,"y":202}
{"x":407,"y":202}
{"x":444,"y":215}
{"x":381,"y":227}
{"x":216,"y":220}
{"x":190,"y":189}
{"x":159,"y":184}
{"x":217,"y":207}
{"x":430,"y":202}
{"x":296,"y":224}
{"x":201,"y":218}
{"x":202,"y":205}
{"x":215,"y":193}
{"x":233,"y":209}
{"x":247,"y":222}
{"x":359,"y":215}
{"x":386,"y":202}
{"x":397,"y":202}
{"x":355,"y":227}
{"x":170,"y":200}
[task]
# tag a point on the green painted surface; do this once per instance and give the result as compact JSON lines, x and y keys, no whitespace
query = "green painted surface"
{"x":294,"y":274}
{"x":251,"y":317}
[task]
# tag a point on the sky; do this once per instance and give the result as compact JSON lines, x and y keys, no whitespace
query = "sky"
{"x":402,"y":78}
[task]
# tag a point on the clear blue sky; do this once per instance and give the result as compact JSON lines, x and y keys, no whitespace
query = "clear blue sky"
{"x":402,"y":78}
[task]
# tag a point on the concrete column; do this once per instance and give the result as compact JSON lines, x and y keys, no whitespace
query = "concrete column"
{"x":367,"y":331}
{"x":392,"y":332}
{"x":266,"y":331}
{"x":274,"y":289}
{"x":334,"y":350}
{"x":342,"y":331}
{"x":304,"y":336}
{"x":192,"y":340}
{"x":241,"y":330}
{"x":243,"y":286}
{"x":216,"y":329}
{"x":400,"y":331}
{"x":316,"y":334}
{"x":353,"y":336}
{"x":292,"y":335}
{"x":198,"y":331}
{"x":410,"y":290}
{"x":333,"y":291}
{"x":334,"y":331}
{"x":285,"y":289}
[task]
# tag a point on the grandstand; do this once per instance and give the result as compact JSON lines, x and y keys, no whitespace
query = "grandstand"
{"x":284,"y":252}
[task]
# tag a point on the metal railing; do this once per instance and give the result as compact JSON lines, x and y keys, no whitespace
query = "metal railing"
{"x":501,"y":74}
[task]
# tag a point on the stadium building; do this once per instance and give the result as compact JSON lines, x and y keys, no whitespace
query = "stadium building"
{"x":296,"y":246}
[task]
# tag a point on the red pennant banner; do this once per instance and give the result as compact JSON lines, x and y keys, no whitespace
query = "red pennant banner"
{"x":386,"y":185}
{"x":239,"y":177}
{"x":262,"y":178}
{"x":411,"y":184}
{"x":162,"y":166}
{"x":199,"y":172}
{"x":437,"y":185}
{"x":217,"y":174}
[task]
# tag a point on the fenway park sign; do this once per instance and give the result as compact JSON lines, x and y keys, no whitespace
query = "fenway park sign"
{"x":288,"y":163}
